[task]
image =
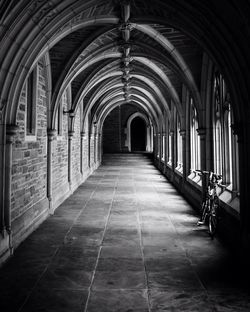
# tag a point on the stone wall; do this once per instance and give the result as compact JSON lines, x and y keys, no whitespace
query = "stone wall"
{"x":29,"y":183}
{"x":76,"y":145}
{"x":114,"y":129}
{"x":29,"y":170}
{"x":111,"y":130}
{"x":60,"y":186}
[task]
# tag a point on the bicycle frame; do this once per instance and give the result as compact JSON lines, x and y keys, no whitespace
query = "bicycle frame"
{"x":210,"y":202}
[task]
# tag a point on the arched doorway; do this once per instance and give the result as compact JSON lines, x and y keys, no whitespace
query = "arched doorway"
{"x":138,"y":135}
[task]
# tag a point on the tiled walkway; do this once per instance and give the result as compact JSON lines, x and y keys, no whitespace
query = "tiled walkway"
{"x":125,"y":241}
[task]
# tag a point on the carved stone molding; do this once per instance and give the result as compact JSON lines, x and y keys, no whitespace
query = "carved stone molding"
{"x":183,"y":133}
{"x":11,"y":131}
{"x":201,"y":131}
{"x":51,"y":133}
{"x":71,"y":133}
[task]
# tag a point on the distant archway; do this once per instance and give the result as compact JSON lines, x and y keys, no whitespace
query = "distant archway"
{"x":138,"y":134}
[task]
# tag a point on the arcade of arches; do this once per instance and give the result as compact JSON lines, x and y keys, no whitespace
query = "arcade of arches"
{"x":83,"y":78}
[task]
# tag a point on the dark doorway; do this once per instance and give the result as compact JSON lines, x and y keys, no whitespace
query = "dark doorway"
{"x":138,"y":135}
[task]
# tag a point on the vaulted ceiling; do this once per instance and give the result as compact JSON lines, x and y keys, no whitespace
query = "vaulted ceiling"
{"x":118,"y":51}
{"x":109,"y":64}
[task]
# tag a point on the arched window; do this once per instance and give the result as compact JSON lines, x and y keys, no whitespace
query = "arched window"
{"x":225,"y":146}
{"x":217,"y":125}
{"x":179,"y":145}
{"x":227,"y":135}
{"x":31,"y":102}
{"x":194,"y":138}
{"x":170,"y":151}
{"x":163,"y":147}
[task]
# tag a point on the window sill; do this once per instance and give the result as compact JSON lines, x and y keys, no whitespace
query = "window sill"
{"x":195,"y":179}
{"x":230,"y":200}
{"x":179,"y":170}
{"x":30,"y":138}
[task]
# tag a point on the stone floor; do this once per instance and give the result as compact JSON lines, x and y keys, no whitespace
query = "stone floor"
{"x":125,"y":241}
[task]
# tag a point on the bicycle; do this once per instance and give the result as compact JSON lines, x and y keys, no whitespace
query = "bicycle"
{"x":210,"y":202}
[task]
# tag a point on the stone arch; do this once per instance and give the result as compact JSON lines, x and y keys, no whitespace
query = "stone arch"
{"x":149,"y":146}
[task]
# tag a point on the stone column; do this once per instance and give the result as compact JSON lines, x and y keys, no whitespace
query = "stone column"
{"x":184,"y":164}
{"x":100,"y":148}
{"x":148,"y":139}
{"x":82,"y":134}
{"x":91,"y":149}
{"x":172,"y":157}
{"x":11,"y":131}
{"x":96,"y":141}
{"x":154,"y":144}
{"x":202,"y":135}
{"x":51,"y":134}
{"x":70,"y":136}
{"x":2,"y":172}
{"x":159,"y":148}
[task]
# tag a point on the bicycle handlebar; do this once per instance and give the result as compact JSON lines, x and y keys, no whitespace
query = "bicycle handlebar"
{"x":211,"y":174}
{"x":201,"y":171}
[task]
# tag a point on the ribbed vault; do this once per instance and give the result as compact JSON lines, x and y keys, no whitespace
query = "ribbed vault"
{"x":134,"y":47}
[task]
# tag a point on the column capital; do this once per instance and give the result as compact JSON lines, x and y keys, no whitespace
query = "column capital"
{"x":11,"y":131}
{"x":201,"y":131}
{"x":51,"y":133}
{"x":71,"y":133}
{"x":183,"y":133}
{"x":237,"y":128}
{"x":83,"y":134}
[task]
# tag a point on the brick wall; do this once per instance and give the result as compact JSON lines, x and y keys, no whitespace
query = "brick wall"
{"x":29,"y":200}
{"x":29,"y":170}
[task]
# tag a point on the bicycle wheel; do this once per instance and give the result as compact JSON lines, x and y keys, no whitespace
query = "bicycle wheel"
{"x":212,"y":219}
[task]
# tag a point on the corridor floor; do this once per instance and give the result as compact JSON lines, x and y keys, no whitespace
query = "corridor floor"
{"x":125,"y":241}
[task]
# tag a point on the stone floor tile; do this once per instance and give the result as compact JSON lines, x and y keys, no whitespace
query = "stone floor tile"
{"x":120,"y":264}
{"x":120,"y":252}
{"x":171,"y":250}
{"x":83,"y":241}
{"x":123,"y":239}
{"x":119,"y":280}
{"x":179,"y":278}
{"x":67,"y":262}
{"x":168,"y":264}
{"x":230,"y":300}
{"x":61,"y":278}
{"x":79,"y":252}
{"x":12,"y":299}
{"x":54,"y":300}
{"x":161,"y":241}
{"x":118,"y":300}
{"x":81,"y":231}
{"x":178,"y":300}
